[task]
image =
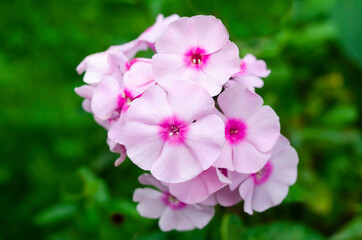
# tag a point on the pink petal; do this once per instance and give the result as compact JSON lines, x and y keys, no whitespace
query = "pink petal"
{"x":148,"y":179}
{"x":222,"y":64}
{"x":189,"y":108}
{"x":199,"y":215}
{"x":263,"y":128}
{"x":236,"y":179}
{"x":246,"y":190}
{"x":285,"y":166}
{"x":175,"y":164}
{"x":280,"y":145}
{"x":175,"y":220}
{"x":105,"y":98}
{"x":85,"y":91}
{"x":116,"y":129}
{"x":167,"y":68}
{"x":268,"y":195}
{"x":226,"y":198}
{"x":211,"y":33}
{"x":150,"y":204}
{"x":87,"y":105}
{"x":199,"y":188}
{"x":178,"y":37}
{"x":143,"y":144}
{"x":239,"y":102}
{"x":248,"y":159}
{"x":151,"y":107}
{"x":225,"y":160}
{"x":256,"y":67}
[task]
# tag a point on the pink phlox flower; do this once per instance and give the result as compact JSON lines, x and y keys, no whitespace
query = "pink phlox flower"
{"x":196,"y":49}
{"x":86,"y":91}
{"x":251,"y":130}
{"x":173,"y":213}
{"x":201,"y":187}
{"x":269,"y":186}
{"x":173,"y":133}
{"x":250,"y":74}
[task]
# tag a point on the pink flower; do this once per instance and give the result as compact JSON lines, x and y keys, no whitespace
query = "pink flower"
{"x":251,"y":130}
{"x":175,"y":133}
{"x":269,"y":186}
{"x":201,"y":187}
{"x":99,"y":65}
{"x":250,"y":74}
{"x":86,"y":91}
{"x":196,"y":49}
{"x":173,"y":213}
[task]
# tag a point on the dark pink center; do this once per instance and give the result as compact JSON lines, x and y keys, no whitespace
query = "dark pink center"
{"x":124,"y":100}
{"x":195,"y":57}
{"x":224,"y":171}
{"x":172,"y":202}
{"x":262,"y":175}
{"x":235,"y":130}
{"x":173,"y":130}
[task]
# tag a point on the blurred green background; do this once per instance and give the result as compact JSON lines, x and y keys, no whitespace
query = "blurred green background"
{"x":57,"y":179}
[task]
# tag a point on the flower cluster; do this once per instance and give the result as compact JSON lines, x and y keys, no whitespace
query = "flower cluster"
{"x":191,"y":117}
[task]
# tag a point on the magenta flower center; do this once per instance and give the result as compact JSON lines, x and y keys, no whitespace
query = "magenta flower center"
{"x":262,"y":175}
{"x":195,"y":57}
{"x":235,"y":130}
{"x":172,"y":202}
{"x":173,"y":130}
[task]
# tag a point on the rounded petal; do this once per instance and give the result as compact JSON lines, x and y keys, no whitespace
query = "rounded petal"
{"x":246,"y":190}
{"x":199,"y":215}
{"x":189,"y":108}
{"x":263,"y":128}
{"x":150,"y":108}
{"x":178,"y":37}
{"x":285,"y":166}
{"x":248,"y":159}
{"x":227,"y":198}
{"x":105,"y":98}
{"x":222,"y":64}
{"x":268,"y":195}
{"x":85,"y":91}
{"x":225,"y":160}
{"x":139,"y":76}
{"x":255,"y":67}
{"x":211,"y":33}
{"x":150,"y":203}
{"x":236,"y":179}
{"x":239,"y":102}
{"x":148,"y":179}
{"x":199,"y":188}
{"x":143,"y":144}
{"x":175,"y":220}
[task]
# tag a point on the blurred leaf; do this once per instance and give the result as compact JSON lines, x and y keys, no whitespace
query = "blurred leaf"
{"x":231,"y":227}
{"x":56,"y":214}
{"x":351,"y":231}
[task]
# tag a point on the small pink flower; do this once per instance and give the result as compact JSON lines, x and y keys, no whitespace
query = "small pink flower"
{"x":175,"y":133}
{"x":251,"y":130}
{"x":250,"y":74}
{"x":173,"y":213}
{"x":201,"y":187}
{"x":86,"y":91}
{"x":196,"y":49}
{"x":269,"y":186}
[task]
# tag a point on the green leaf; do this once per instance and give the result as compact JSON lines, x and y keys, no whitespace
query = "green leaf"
{"x":55,"y":214}
{"x":351,"y":231}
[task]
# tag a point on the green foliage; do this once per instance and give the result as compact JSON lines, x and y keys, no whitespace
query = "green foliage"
{"x":57,"y":179}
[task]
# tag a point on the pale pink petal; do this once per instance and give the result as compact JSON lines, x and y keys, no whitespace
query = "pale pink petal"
{"x":143,"y":144}
{"x":211,"y":33}
{"x":175,"y":220}
{"x":239,"y":102}
{"x":178,"y":37}
{"x":199,"y":188}
{"x":226,"y":198}
{"x":85,"y":91}
{"x":175,"y":164}
{"x":210,"y":201}
{"x":105,"y":98}
{"x":250,"y":82}
{"x":246,"y":190}
{"x":255,"y":67}
{"x":129,"y":49}
{"x":148,"y":179}
{"x":280,"y":145}
{"x":208,"y":83}
{"x":206,"y":138}
{"x":167,"y":68}
{"x":236,"y":179}
{"x":197,"y":105}
{"x":268,"y":194}
{"x":248,"y":159}
{"x":87,"y":105}
{"x":150,"y":203}
{"x":221,"y":65}
{"x":263,"y":128}
{"x":122,"y":150}
{"x":225,"y":160}
{"x":151,"y":107}
{"x":199,"y":215}
{"x":116,"y":129}
{"x":285,"y":166}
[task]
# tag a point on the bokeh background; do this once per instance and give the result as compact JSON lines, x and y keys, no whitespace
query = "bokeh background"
{"x":57,"y":179}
